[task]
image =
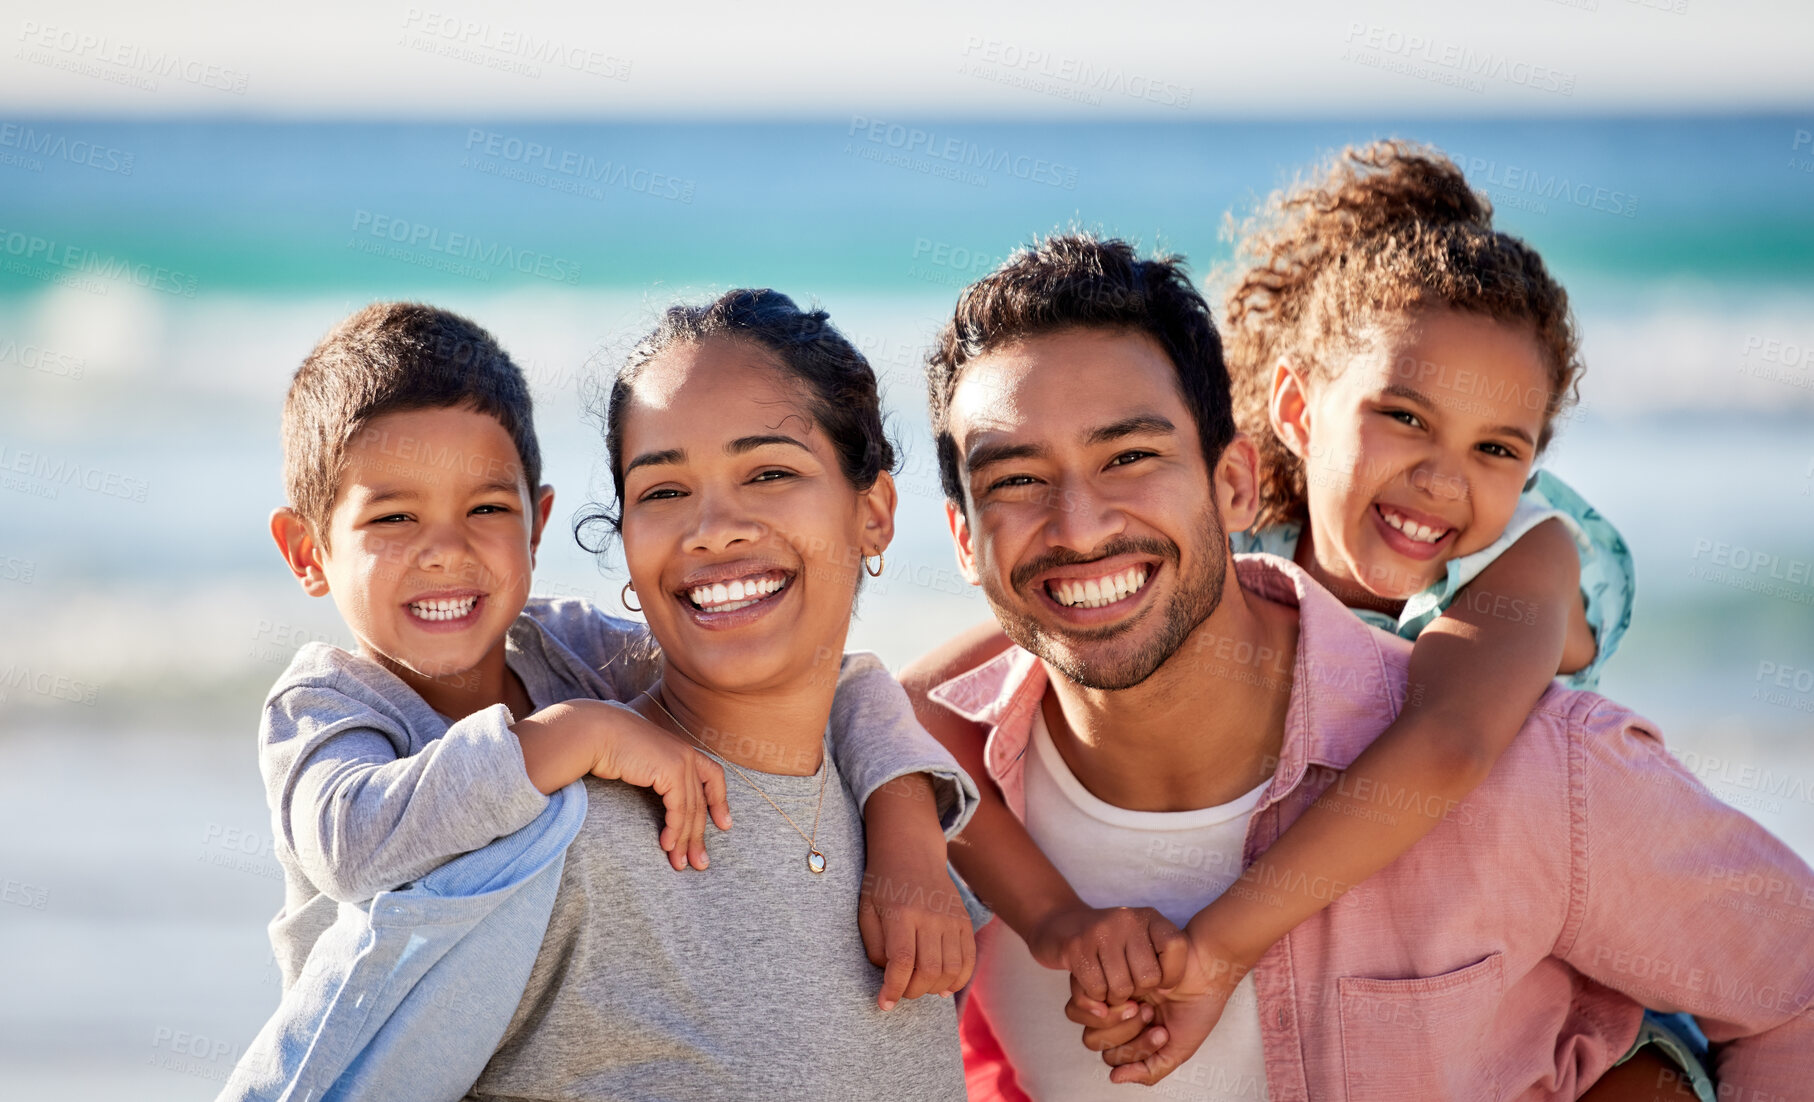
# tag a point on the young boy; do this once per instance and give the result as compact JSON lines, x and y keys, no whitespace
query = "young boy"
{"x":413,"y":474}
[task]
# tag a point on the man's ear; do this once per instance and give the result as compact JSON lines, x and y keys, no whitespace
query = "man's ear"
{"x":544,"y":503}
{"x":960,"y":540}
{"x":301,"y":550}
{"x":1236,"y":482}
{"x":878,"y":515}
{"x":1290,"y":408}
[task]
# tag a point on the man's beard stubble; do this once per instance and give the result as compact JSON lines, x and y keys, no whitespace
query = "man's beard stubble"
{"x":1080,"y":656}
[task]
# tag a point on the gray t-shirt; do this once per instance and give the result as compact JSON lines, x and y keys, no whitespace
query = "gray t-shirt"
{"x":370,"y":788}
{"x":746,"y":980}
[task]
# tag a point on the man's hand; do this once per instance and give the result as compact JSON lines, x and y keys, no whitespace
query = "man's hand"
{"x":1113,"y":954}
{"x":913,"y":921}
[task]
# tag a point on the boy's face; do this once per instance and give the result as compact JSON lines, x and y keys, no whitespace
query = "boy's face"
{"x":431,"y":541}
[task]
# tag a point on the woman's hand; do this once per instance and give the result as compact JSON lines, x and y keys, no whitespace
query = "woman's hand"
{"x":914,"y":923}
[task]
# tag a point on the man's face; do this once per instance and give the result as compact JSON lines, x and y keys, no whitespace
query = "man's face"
{"x":1089,"y":519}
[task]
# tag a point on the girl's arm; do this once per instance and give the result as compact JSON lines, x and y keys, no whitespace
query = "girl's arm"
{"x":1112,"y":952}
{"x":1475,"y":674}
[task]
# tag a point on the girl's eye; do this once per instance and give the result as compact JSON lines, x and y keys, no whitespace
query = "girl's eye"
{"x":1405,"y":417}
{"x":1499,"y":450}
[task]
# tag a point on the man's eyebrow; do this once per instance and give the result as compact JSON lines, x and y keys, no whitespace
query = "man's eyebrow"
{"x":1130,"y":426}
{"x":1412,"y":394}
{"x":984,"y":455}
{"x":750,"y":443}
{"x":656,"y":459}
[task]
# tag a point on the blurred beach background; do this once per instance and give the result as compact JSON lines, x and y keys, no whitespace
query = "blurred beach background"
{"x":165,"y":263}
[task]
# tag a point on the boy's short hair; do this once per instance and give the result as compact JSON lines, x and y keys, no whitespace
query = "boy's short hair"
{"x":393,"y":357}
{"x":1083,"y":281}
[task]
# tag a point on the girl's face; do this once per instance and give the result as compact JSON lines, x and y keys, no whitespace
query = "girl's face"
{"x":743,"y":537}
{"x":1415,"y":452}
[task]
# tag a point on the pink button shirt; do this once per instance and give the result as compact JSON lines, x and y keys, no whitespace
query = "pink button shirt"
{"x":1510,"y":953}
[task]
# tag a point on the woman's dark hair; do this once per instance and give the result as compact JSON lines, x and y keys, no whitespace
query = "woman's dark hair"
{"x":839,"y":386}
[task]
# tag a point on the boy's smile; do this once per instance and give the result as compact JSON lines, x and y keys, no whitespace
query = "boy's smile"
{"x":429,"y":549}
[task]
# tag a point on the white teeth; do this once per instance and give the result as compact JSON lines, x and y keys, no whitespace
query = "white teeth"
{"x":442,"y":608}
{"x":1096,"y":592}
{"x":1419,"y":532}
{"x":742,"y":593}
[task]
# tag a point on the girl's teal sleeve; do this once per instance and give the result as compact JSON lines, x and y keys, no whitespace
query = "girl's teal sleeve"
{"x":1608,"y":580}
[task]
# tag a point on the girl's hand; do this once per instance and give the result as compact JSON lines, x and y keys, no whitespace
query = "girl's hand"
{"x":1180,"y":1020}
{"x":1114,"y":954}
{"x":690,"y":784}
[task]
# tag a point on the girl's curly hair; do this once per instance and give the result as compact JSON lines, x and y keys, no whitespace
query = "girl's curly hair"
{"x":1380,"y":233}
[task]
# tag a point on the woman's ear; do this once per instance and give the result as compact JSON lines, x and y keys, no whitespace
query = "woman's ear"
{"x":1290,"y":408}
{"x":878,"y":515}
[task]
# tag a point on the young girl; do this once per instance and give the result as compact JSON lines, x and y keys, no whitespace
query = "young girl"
{"x":1400,"y":365}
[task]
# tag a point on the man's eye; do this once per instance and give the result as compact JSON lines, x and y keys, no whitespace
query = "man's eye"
{"x":1125,"y":458}
{"x":1012,"y":481}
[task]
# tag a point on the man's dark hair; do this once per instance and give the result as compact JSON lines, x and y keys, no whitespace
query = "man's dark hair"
{"x":1080,"y":280}
{"x":392,"y":357}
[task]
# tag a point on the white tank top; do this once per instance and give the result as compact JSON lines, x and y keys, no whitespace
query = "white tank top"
{"x":1173,"y":861}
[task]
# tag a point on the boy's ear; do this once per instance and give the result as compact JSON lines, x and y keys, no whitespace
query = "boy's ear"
{"x":1290,"y":408}
{"x":960,"y":540}
{"x":544,"y":505}
{"x":300,"y":549}
{"x":878,"y":514}
{"x":1236,"y":484}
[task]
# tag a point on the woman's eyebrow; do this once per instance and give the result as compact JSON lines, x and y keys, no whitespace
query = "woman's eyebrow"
{"x":750,"y":443}
{"x":656,"y":459}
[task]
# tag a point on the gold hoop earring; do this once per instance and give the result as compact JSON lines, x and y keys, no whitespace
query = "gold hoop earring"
{"x":625,"y":598}
{"x":877,"y":572}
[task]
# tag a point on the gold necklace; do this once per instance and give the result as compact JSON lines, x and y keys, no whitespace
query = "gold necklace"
{"x":814,"y":859}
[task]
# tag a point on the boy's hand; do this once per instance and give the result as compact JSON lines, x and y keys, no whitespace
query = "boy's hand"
{"x":1114,"y":954}
{"x":912,"y":919}
{"x":690,"y":784}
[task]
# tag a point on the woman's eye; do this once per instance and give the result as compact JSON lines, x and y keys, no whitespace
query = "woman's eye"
{"x":660,"y":494}
{"x":772,"y":476}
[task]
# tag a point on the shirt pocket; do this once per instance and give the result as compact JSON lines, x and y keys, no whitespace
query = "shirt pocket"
{"x":1423,"y":1038}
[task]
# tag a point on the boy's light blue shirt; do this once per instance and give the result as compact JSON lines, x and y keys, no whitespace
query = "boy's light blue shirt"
{"x":1608,"y":580}
{"x":406,"y":996}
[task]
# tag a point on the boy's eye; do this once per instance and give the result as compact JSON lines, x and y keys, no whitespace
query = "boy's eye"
{"x":484,"y":509}
{"x":390,"y":518}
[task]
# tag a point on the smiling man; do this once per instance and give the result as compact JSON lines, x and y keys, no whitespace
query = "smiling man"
{"x":1166,"y":708}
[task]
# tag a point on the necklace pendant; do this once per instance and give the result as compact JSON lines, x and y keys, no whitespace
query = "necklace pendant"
{"x":815,"y":861}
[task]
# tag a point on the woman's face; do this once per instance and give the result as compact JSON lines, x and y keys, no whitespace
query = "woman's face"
{"x":1417,"y":451}
{"x":742,"y":535}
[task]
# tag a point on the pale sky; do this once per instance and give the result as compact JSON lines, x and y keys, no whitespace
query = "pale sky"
{"x":1056,"y":58}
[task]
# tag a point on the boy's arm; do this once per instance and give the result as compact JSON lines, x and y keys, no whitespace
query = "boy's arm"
{"x":1475,"y":674}
{"x":362,"y":815}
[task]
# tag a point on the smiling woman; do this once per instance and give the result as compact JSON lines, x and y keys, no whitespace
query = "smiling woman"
{"x":747,"y":451}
